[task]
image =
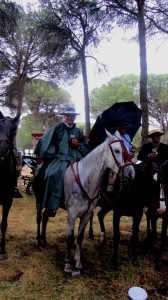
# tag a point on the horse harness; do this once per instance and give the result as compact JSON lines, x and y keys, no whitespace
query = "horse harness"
{"x":126,"y":159}
{"x":7,"y":157}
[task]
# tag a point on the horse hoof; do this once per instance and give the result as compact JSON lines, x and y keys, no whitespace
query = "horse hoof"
{"x":67,"y":268}
{"x":67,"y":275}
{"x":41,"y":241}
{"x":3,"y":256}
{"x":91,"y":236}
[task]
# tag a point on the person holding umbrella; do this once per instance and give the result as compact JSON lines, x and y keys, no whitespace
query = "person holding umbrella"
{"x":122,"y":127}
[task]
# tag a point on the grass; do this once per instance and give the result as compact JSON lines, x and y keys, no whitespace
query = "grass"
{"x":31,"y":273}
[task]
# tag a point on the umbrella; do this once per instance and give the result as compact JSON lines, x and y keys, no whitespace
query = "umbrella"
{"x":118,"y":113}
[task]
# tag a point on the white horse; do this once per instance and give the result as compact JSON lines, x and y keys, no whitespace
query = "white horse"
{"x":81,"y":189}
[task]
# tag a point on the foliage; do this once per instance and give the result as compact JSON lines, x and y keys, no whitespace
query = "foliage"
{"x":155,"y":14}
{"x":24,"y":138}
{"x":79,"y":23}
{"x":158,"y":99}
{"x":151,"y":18}
{"x":22,"y":59}
{"x":9,"y":14}
{"x":45,"y":100}
{"x":126,"y":88}
{"x":119,"y":89}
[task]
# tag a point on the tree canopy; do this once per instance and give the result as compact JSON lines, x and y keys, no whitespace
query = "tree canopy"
{"x":79,"y":22}
{"x":126,"y":88}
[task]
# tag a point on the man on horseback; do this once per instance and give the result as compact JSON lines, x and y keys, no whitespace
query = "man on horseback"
{"x":154,"y":152}
{"x":62,"y":145}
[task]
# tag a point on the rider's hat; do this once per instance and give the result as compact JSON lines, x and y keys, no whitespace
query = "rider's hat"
{"x":69,"y":111}
{"x":155,"y":132}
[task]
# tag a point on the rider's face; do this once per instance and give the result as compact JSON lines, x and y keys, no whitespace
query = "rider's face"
{"x":156,"y":138}
{"x":69,"y":119}
{"x":122,"y":131}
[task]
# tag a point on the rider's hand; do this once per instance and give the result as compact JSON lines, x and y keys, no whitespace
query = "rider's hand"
{"x":131,"y":154}
{"x":75,"y":143}
{"x":153,"y":154}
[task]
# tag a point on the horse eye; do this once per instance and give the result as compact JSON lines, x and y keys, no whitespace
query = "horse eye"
{"x":116,"y":150}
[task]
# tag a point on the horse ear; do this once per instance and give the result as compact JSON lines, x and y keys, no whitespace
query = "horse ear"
{"x":1,"y":115}
{"x":108,"y":133}
{"x":15,"y":119}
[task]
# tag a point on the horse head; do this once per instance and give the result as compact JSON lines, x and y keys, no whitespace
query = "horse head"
{"x":8,"y":128}
{"x":122,"y":160}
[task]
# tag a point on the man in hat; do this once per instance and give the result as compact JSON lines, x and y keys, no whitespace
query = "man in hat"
{"x":154,"y":151}
{"x":62,"y":145}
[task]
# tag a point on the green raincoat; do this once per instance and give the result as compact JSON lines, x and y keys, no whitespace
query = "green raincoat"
{"x":55,"y":147}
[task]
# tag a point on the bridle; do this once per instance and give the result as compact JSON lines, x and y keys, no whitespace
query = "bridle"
{"x":126,"y":159}
{"x":6,"y":145}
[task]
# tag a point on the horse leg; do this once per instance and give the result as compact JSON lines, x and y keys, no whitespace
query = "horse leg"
{"x":70,"y":244}
{"x":4,"y":224}
{"x":82,"y":225}
{"x":116,"y":237}
{"x":154,"y":218}
{"x":135,"y":234}
{"x":91,"y":234}
{"x":38,"y":219}
{"x":148,"y":219}
{"x":101,"y":214}
{"x":164,"y":230}
{"x":45,"y":217}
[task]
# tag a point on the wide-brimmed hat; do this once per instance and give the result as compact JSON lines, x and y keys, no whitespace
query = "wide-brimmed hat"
{"x":69,"y":111}
{"x":155,"y":132}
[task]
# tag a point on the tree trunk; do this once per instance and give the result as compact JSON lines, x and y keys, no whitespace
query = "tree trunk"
{"x":86,"y":94}
{"x":143,"y":69}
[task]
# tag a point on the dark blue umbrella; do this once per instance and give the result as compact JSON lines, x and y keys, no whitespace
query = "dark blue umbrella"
{"x":120,"y":114}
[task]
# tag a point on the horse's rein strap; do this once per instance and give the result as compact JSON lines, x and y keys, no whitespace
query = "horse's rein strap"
{"x":77,"y":179}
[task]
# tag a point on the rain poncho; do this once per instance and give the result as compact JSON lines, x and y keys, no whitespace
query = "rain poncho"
{"x":55,"y":148}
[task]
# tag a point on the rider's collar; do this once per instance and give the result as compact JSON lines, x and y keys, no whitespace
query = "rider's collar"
{"x":69,"y":126}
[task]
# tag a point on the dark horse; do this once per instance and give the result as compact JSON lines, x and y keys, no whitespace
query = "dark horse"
{"x":8,"y":127}
{"x":128,"y":200}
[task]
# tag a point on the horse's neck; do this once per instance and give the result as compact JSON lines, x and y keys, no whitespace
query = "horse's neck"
{"x":92,"y":168}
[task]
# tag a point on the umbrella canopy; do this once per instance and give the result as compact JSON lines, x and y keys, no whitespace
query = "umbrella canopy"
{"x":120,"y":114}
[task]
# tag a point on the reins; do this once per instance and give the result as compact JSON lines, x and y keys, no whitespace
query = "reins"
{"x":77,"y":179}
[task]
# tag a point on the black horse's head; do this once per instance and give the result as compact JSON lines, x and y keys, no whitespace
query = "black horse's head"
{"x":8,"y":127}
